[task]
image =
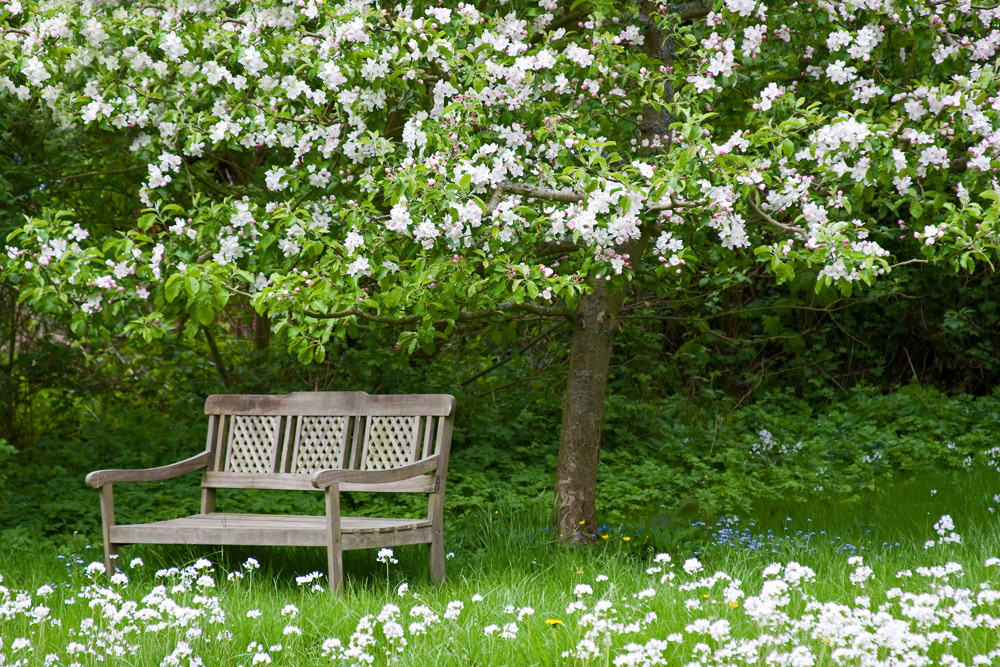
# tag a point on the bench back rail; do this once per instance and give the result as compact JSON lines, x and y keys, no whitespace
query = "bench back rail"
{"x":278,"y":442}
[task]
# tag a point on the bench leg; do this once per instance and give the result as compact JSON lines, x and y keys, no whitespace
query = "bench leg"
{"x":110,"y":557}
{"x":435,"y":512}
{"x":437,"y":557}
{"x":107,"y":521}
{"x":334,"y":548}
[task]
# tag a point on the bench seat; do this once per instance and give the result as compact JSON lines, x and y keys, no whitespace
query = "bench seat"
{"x":274,"y":530}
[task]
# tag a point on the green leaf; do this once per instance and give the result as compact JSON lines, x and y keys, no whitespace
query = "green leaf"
{"x":173,"y":287}
{"x":305,"y":355}
{"x":393,"y":297}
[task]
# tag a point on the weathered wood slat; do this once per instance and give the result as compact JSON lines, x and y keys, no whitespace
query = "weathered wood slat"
{"x":297,"y":482}
{"x":269,"y":530}
{"x":325,"y":478}
{"x":99,"y":478}
{"x":331,"y":403}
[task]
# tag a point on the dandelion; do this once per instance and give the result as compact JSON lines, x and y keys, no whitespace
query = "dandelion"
{"x":553,"y":622}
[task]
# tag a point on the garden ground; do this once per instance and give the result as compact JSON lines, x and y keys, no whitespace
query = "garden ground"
{"x":912,"y":580}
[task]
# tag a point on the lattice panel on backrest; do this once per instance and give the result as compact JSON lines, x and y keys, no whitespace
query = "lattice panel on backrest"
{"x":391,"y":442}
{"x":253,"y":444}
{"x":319,"y":444}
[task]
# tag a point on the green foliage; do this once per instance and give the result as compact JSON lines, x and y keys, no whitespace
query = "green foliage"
{"x":7,"y":453}
{"x":783,"y":448}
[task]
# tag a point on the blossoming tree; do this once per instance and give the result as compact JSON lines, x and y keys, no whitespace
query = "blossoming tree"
{"x":423,"y":166}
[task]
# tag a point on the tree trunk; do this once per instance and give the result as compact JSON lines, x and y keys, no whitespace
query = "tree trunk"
{"x":261,"y":333}
{"x":596,"y":325}
{"x":583,"y":411}
{"x":9,"y":380}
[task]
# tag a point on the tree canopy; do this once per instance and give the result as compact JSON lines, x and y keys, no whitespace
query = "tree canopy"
{"x":332,"y":163}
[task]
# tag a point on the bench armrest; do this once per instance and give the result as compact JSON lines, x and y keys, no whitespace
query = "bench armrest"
{"x":327,"y":478}
{"x":100,"y":478}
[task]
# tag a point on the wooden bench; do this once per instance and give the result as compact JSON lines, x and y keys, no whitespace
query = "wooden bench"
{"x":309,"y":441}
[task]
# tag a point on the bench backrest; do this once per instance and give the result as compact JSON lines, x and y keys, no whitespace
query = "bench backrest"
{"x":277,"y":442}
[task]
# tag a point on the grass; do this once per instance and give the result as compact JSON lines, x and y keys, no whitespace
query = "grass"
{"x":512,"y":598}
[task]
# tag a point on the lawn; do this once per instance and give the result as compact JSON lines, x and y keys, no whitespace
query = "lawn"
{"x":909,"y":577}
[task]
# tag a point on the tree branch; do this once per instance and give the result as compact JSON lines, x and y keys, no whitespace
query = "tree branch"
{"x":463,"y":316}
{"x":561,"y":22}
{"x":524,"y":348}
{"x":568,"y":196}
{"x":565,"y":195}
{"x":688,"y":11}
{"x":780,"y":225}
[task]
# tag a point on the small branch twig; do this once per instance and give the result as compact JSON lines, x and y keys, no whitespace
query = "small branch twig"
{"x":524,"y":348}
{"x":568,"y":196}
{"x":791,"y":229}
{"x":463,"y":316}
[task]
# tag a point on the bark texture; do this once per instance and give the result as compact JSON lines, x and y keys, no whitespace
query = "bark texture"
{"x":583,"y":412}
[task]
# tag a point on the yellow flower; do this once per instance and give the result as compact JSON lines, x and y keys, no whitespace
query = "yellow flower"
{"x":583,"y":522}
{"x":604,"y":537}
{"x":734,"y":604}
{"x":553,"y":622}
{"x":626,"y":538}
